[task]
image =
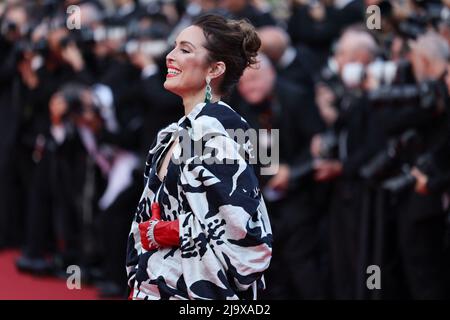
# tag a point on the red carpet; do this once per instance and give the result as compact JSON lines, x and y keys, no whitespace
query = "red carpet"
{"x":15,"y":285}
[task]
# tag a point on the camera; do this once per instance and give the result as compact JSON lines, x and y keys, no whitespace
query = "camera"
{"x":72,"y":94}
{"x":406,"y":180}
{"x":328,"y":150}
{"x":413,"y":26}
{"x":386,"y":160}
{"x":9,"y":27}
{"x":429,"y":14}
{"x":25,"y":45}
{"x":428,"y":94}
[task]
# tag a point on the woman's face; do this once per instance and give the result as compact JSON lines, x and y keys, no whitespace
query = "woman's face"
{"x":187,"y":63}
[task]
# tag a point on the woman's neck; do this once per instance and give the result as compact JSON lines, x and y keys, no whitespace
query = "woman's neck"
{"x":191,"y":101}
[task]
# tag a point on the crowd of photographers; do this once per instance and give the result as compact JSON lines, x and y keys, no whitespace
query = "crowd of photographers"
{"x":359,"y":204}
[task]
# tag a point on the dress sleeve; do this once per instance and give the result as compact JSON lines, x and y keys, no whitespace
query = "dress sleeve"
{"x":225,"y":233}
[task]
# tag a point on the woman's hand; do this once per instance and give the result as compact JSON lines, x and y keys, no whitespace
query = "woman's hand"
{"x":156,"y":233}
{"x":146,"y":229}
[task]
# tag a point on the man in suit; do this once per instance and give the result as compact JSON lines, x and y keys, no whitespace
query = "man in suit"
{"x":13,"y":163}
{"x":296,"y":64}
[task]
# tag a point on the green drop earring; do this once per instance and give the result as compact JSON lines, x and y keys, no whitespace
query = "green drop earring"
{"x":208,"y":94}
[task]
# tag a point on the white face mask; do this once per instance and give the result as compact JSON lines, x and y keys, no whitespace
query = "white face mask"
{"x":382,"y":71}
{"x":352,"y":74}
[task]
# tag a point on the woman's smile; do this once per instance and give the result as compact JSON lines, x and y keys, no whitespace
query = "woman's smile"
{"x":172,"y":71}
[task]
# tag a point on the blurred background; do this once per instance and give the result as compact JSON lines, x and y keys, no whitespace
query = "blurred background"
{"x":360,"y":98}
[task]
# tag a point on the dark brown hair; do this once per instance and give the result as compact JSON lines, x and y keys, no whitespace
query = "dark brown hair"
{"x":235,"y":42}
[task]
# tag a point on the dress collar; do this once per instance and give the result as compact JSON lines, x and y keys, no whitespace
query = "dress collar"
{"x":186,"y":121}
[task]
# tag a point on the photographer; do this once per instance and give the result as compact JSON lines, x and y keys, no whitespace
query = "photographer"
{"x":296,"y":64}
{"x":317,"y":23}
{"x":15,"y":160}
{"x":347,"y":113}
{"x":437,"y":71}
{"x":415,"y":121}
{"x":62,"y":61}
{"x":422,"y":220}
{"x":441,"y":183}
{"x":355,"y":138}
{"x":61,"y":204}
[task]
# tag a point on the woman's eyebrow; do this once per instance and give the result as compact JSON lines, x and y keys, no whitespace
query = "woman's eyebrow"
{"x":186,"y":42}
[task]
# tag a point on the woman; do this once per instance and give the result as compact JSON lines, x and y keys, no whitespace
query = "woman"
{"x":201,"y":230}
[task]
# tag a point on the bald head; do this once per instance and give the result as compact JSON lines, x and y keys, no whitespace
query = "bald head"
{"x":433,"y":46}
{"x":359,"y":40}
{"x":16,"y":14}
{"x":355,"y":46}
{"x":256,"y":84}
{"x":429,"y":56}
{"x":274,"y":42}
{"x":89,"y":14}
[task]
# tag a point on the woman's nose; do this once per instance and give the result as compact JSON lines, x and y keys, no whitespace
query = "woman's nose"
{"x":170,"y":56}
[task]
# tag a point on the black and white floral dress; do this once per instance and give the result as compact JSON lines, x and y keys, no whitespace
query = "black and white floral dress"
{"x":225,"y":232}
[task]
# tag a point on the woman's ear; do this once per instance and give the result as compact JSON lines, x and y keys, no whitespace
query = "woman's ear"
{"x":216,"y":70}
